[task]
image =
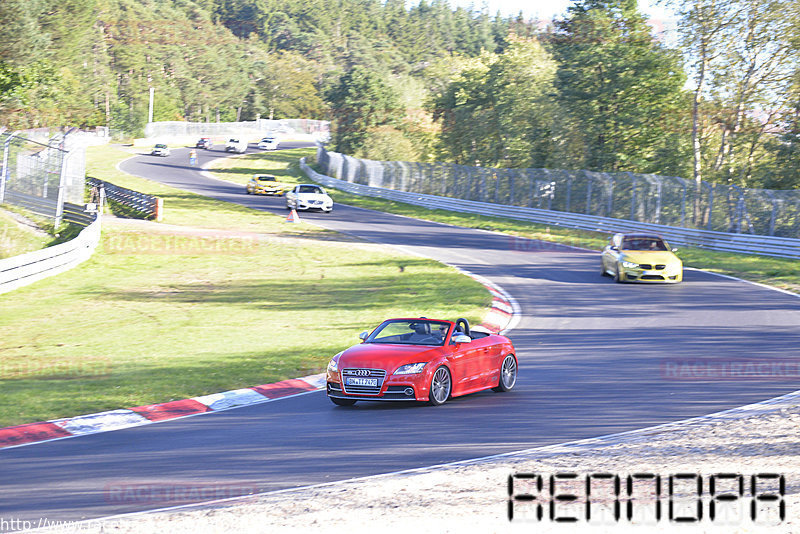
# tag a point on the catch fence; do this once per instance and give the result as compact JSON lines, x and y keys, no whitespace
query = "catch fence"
{"x":644,"y":198}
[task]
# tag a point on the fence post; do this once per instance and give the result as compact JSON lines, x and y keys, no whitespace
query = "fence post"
{"x":62,"y":178}
{"x":774,"y":213}
{"x":659,"y":189}
{"x":5,"y":173}
{"x":588,"y":192}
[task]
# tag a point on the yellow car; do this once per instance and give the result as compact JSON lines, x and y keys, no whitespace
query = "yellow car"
{"x":641,"y":258}
{"x":265,"y":184}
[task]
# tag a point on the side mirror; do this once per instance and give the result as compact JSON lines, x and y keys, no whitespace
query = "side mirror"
{"x":674,"y":250}
{"x":612,"y":247}
{"x":461,"y":338}
{"x":363,"y":335}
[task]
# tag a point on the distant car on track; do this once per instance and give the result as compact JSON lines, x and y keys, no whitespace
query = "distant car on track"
{"x":264,"y":184}
{"x":268,"y":143}
{"x":640,"y":258}
{"x":160,"y":150}
{"x":204,"y":143}
{"x":421,"y":360}
{"x":238,"y":146}
{"x":309,"y":197}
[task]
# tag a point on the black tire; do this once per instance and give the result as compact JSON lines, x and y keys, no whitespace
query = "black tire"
{"x":508,"y":375}
{"x":617,"y":276}
{"x":342,"y":402}
{"x":441,"y":386}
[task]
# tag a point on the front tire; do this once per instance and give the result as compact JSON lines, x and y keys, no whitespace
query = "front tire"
{"x":441,"y":385}
{"x":342,"y":402}
{"x":508,"y":375}
{"x":619,"y":276}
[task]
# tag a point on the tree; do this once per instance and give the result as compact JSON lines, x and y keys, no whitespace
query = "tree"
{"x":621,"y":86}
{"x":360,"y":102}
{"x":498,"y":110}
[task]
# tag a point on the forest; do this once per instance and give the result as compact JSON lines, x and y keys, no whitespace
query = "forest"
{"x":597,"y":88}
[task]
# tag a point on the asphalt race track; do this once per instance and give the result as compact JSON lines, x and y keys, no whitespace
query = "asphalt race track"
{"x":595,"y":358}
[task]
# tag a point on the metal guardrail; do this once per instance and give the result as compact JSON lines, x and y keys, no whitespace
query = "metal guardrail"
{"x":150,"y":206}
{"x":19,"y":271}
{"x":645,"y":198}
{"x":77,"y":214}
{"x":718,"y":241}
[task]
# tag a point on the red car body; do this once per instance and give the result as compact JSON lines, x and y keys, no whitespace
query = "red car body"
{"x":369,"y":371}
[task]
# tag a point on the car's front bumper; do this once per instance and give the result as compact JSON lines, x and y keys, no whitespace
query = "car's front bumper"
{"x":393,"y":388}
{"x":267,"y":192}
{"x":668,"y":275}
{"x":308,"y":206}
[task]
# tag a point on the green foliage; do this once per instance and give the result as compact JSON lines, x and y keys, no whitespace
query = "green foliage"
{"x":360,"y":102}
{"x":498,"y":111}
{"x":620,"y":86}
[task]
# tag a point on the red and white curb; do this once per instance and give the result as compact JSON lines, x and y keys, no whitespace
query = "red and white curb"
{"x":16,"y":436}
{"x":499,"y":318}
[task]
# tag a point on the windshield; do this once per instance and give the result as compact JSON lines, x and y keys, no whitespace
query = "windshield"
{"x":644,"y":243}
{"x":410,"y":332}
{"x":309,"y":189}
{"x":161,"y":146}
{"x":266,"y":178}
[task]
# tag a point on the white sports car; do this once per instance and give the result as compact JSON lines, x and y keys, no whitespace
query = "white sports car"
{"x":309,"y":197}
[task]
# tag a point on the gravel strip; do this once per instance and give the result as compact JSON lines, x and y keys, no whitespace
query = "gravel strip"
{"x":473,"y":496}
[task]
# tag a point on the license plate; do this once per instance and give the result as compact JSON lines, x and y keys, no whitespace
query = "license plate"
{"x":373,"y":382}
{"x":650,"y":272}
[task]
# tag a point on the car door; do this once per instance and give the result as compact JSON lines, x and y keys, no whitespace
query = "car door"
{"x":464,"y":365}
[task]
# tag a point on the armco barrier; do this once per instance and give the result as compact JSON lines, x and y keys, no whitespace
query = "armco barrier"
{"x":148,"y":205}
{"x":719,"y":241}
{"x":27,"y":268}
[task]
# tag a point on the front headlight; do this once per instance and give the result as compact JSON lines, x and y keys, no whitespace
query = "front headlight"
{"x":411,"y":368}
{"x":333,"y":365}
{"x":629,"y":264}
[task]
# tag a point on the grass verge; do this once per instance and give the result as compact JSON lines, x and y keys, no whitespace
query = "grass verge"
{"x":778,"y":272}
{"x":161,"y":313}
{"x":16,"y":239}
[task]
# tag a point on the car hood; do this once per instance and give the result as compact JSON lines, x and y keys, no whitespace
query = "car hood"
{"x":650,"y":256}
{"x":312,"y":196}
{"x":387,"y":356}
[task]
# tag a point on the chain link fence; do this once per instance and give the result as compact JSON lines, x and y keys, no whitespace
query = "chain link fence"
{"x":646,"y":198}
{"x":283,"y":127}
{"x":41,"y":174}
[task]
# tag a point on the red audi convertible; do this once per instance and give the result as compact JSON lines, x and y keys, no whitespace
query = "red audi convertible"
{"x":421,"y":360}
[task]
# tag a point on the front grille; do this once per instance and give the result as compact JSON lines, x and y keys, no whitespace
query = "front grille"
{"x":380,"y":374}
{"x":661,"y":267}
{"x":645,"y":266}
{"x":651,"y":277}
